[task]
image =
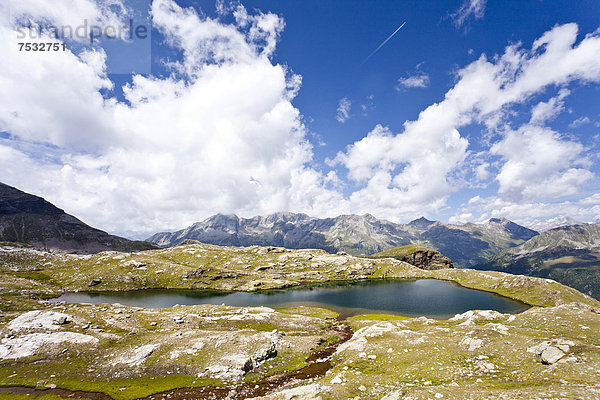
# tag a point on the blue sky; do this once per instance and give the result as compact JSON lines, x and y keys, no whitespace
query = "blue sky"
{"x":495,"y":132}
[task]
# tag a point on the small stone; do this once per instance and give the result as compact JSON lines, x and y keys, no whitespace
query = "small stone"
{"x":95,"y":282}
{"x":471,"y":343}
{"x":551,"y":355}
{"x":563,"y":347}
{"x":336,"y":380}
{"x":362,"y":388}
{"x":153,"y":324}
{"x":539,"y":348}
{"x":372,"y":356}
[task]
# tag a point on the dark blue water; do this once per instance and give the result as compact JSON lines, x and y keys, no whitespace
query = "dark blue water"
{"x":428,"y":297}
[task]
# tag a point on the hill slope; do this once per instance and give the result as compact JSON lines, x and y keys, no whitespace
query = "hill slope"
{"x":569,"y":254}
{"x":26,"y":218}
{"x":466,"y":244}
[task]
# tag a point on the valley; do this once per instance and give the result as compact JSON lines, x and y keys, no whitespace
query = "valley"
{"x":129,"y":352}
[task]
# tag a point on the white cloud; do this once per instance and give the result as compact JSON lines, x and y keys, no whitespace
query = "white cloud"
{"x":545,"y":111}
{"x":539,"y":164}
{"x":579,"y":121}
{"x":71,"y":13}
{"x":368,"y":106}
{"x":526,"y":213}
{"x":468,"y":9}
{"x":343,"y":110}
{"x":482,"y":172}
{"x":219,"y":135}
{"x":418,"y":80}
{"x":414,"y":171}
{"x":461,"y":218}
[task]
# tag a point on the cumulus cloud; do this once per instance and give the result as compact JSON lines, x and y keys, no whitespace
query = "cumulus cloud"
{"x":218,"y":135}
{"x":343,"y":110}
{"x":468,"y":9}
{"x":586,"y":209}
{"x":70,"y":13}
{"x":416,"y":168}
{"x":539,"y":164}
{"x":545,"y":111}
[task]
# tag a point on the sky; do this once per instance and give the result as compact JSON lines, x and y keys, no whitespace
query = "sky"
{"x":473,"y":109}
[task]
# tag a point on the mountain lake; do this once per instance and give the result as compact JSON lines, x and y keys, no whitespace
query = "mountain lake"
{"x":422,"y":297}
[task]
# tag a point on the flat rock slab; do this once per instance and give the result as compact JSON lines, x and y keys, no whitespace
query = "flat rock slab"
{"x":39,"y":320}
{"x":552,"y":355}
{"x":28,"y":345}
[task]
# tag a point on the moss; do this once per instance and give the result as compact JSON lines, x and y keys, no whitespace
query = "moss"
{"x":117,"y":388}
{"x":33,"y":275}
{"x":134,"y":388}
{"x":314,"y":312}
{"x":257,"y":326}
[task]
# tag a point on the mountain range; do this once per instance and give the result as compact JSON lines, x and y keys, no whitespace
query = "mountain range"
{"x":568,"y":254}
{"x":466,"y":245}
{"x":30,"y":219}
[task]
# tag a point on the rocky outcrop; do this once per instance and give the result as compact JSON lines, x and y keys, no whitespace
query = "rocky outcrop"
{"x":39,"y":319}
{"x":418,"y":256}
{"x":306,"y":392}
{"x":137,"y":356}
{"x":553,"y":351}
{"x":428,"y":259}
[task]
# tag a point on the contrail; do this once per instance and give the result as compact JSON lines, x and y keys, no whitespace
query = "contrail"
{"x":384,"y":42}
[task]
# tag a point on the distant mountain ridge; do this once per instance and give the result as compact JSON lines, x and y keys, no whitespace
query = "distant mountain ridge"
{"x":466,"y":244}
{"x":567,"y":254}
{"x":30,"y":219}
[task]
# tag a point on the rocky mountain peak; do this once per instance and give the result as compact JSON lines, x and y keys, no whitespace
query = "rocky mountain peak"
{"x":421,"y":223}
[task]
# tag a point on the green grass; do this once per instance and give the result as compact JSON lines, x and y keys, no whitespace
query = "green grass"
{"x":33,"y":275}
{"x":133,"y":388}
{"x":314,"y":312}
